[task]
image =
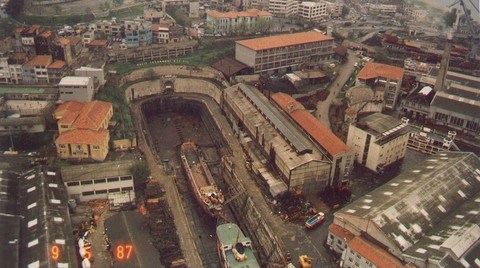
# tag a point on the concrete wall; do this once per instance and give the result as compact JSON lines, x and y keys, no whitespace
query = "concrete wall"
{"x":244,"y":208}
{"x":97,"y":188}
{"x":81,"y":93}
{"x":245,"y":55}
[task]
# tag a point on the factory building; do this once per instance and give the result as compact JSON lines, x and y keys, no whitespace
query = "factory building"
{"x":286,"y":52}
{"x":330,"y":145}
{"x":378,"y":141}
{"x":427,"y":216}
{"x":299,"y":163}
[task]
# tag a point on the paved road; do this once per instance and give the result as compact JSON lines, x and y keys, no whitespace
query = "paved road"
{"x":343,"y":74}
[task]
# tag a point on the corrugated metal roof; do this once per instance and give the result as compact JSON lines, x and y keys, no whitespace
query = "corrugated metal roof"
{"x":456,"y":104}
{"x":95,"y":171}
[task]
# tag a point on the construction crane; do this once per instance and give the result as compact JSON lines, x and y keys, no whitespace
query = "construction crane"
{"x":473,"y":35}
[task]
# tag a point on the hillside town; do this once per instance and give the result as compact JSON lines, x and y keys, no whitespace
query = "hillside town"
{"x":239,"y":133}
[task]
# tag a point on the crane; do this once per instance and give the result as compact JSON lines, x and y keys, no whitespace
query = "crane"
{"x":473,"y":34}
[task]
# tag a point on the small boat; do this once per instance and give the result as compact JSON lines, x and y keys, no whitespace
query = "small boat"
{"x":234,"y":248}
{"x":203,"y":185}
{"x":315,"y":220}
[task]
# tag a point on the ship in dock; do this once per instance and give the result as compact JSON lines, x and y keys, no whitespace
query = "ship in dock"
{"x":234,"y":248}
{"x":203,"y":185}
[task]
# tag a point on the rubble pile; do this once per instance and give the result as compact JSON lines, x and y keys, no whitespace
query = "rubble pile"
{"x":294,"y":207}
{"x":310,"y":101}
{"x":162,"y":227}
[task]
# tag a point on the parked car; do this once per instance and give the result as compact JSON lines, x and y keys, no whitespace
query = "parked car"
{"x":315,"y":220}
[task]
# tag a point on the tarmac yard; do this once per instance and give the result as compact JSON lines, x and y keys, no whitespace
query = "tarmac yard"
{"x":171,"y":122}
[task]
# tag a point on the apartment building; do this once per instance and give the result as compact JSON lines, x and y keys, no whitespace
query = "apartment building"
{"x":97,"y":181}
{"x":15,"y":63}
{"x":4,"y":71}
{"x":76,"y":88}
{"x":160,"y":33}
{"x":238,"y":22}
{"x":83,"y":130}
{"x":108,"y":27}
{"x":312,"y":11}
{"x":56,"y":71}
{"x":378,"y":141}
{"x":282,"y":53}
{"x":283,"y":8}
{"x":98,"y":75}
{"x":35,"y":70}
{"x":382,"y":77}
{"x":138,"y":33}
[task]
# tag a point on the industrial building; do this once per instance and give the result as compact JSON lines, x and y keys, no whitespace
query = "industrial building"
{"x":382,"y":77}
{"x":427,"y":216}
{"x":336,"y":151}
{"x":97,"y":181}
{"x":300,"y":165}
{"x":76,"y":88}
{"x":34,"y":219}
{"x":284,"y":53}
{"x":378,"y":141}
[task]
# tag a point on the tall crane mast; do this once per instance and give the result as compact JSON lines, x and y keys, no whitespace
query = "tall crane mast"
{"x":473,"y":34}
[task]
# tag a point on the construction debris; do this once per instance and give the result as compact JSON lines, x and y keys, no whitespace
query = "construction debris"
{"x":162,"y":226}
{"x":294,"y":207}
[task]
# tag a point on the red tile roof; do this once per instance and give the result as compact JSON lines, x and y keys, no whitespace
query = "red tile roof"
{"x":283,"y":40}
{"x":40,"y":60}
{"x":83,"y":115}
{"x":343,"y":233}
{"x":83,"y":136}
{"x":98,"y":43}
{"x":374,"y":253}
{"x":373,"y":70}
{"x":92,"y":115}
{"x":319,"y":132}
{"x":46,"y":34}
{"x":58,"y":64}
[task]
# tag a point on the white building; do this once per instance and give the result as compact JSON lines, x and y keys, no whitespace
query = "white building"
{"x":88,"y":37}
{"x":283,"y":8}
{"x":238,"y":22}
{"x":97,"y":181}
{"x":378,"y":141}
{"x":97,"y":73}
{"x":76,"y":88}
{"x":312,"y":11}
{"x":161,"y":33}
{"x":4,"y":71}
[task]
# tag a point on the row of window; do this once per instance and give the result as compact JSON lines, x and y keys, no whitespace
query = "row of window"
{"x":105,"y":191}
{"x":97,"y":181}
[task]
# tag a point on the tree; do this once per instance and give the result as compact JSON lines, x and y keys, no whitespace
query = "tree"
{"x":345,"y":11}
{"x":14,"y":7}
{"x":140,"y":172}
{"x":381,"y":55}
{"x":450,"y":17}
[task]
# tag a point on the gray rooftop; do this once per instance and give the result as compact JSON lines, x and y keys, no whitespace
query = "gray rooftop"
{"x":97,"y":170}
{"x":423,"y":200}
{"x":28,"y":90}
{"x":288,"y":130}
{"x":20,"y":121}
{"x":379,"y":123}
{"x":456,"y":104}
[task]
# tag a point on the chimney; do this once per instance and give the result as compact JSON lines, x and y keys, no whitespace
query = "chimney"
{"x":442,"y":72}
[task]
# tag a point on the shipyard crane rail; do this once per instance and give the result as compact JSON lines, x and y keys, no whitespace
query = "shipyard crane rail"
{"x":473,"y":34}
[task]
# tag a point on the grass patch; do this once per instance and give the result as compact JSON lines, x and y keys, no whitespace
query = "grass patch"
{"x":6,"y":28}
{"x":121,"y":112}
{"x":127,"y":12}
{"x":54,"y":20}
{"x":208,"y":53}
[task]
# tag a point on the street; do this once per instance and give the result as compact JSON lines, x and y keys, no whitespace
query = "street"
{"x":343,"y":74}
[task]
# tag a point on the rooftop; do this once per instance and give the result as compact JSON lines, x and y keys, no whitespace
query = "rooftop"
{"x":98,"y":43}
{"x":456,"y":104}
{"x":234,"y":15}
{"x":374,"y":70}
{"x":97,"y":170}
{"x":40,"y":60}
{"x":89,"y":115}
{"x":283,"y":40}
{"x":229,"y":66}
{"x":434,"y":197}
{"x":58,"y":64}
{"x":74,"y":81}
{"x":378,"y":123}
{"x":83,"y":136}
{"x":28,"y":90}
{"x":319,"y":132}
{"x":373,"y":253}
{"x":343,"y":233}
{"x":20,"y":121}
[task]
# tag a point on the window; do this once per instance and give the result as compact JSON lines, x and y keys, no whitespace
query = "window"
{"x":88,"y":193}
{"x":87,"y":182}
{"x":99,"y":181}
{"x":73,"y":183}
{"x":112,"y":179}
{"x":114,"y":190}
{"x":126,"y":178}
{"x":96,"y":147}
{"x":61,"y":146}
{"x":127,"y":188}
{"x":101,"y":192}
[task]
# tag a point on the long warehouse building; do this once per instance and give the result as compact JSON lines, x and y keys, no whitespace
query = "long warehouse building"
{"x":300,"y":164}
